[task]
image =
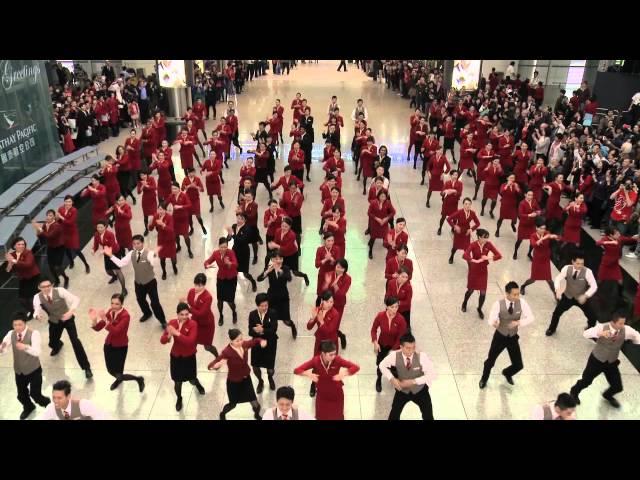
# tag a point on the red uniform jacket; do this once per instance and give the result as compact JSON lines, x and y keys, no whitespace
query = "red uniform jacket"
{"x":478,"y":273}
{"x":70,"y":227}
{"x":328,"y":205}
{"x":393,"y":265}
{"x":107,"y":239}
{"x":462,"y":240}
{"x":54,"y":234}
{"x":238,"y":366}
{"x":193,"y":192}
{"x":450,"y":200}
{"x":225,"y":272}
{"x":117,"y":325}
{"x":166,"y":235}
{"x":202,"y":314}
{"x":403,"y":293}
{"x":288,"y":245}
{"x":296,"y":160}
{"x":26,"y":267}
{"x":149,"y":196}
{"x":377,"y":211}
{"x":291,"y":203}
{"x":397,"y":239}
{"x":326,"y":267}
{"x":284,"y":182}
{"x":273,"y":225}
{"x":185,"y":344}
{"x":390,"y":330}
{"x":527,"y":224}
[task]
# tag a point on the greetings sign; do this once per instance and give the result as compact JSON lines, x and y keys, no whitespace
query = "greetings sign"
{"x":28,"y":135}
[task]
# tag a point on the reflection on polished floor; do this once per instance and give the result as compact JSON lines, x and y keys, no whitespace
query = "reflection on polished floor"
{"x":456,"y":342}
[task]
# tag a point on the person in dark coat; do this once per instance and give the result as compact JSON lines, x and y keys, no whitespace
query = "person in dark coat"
{"x":242,"y":236}
{"x":263,"y":324}
{"x":279,"y":276}
{"x":306,"y":145}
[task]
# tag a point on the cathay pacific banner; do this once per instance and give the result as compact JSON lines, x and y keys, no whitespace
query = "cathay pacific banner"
{"x":28,"y":134}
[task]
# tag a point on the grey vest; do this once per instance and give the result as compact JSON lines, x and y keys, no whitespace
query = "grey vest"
{"x":548,"y":414}
{"x":293,"y":416}
{"x":608,"y":349}
{"x":143,"y":270}
{"x":23,"y":363}
{"x":505,"y":317}
{"x":578,"y":286}
{"x":56,"y":308}
{"x":75,"y":412}
{"x":406,"y":374}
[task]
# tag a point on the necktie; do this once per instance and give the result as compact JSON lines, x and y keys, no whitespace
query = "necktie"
{"x":20,"y":337}
{"x":510,"y":308}
{"x":138,"y":259}
{"x":66,"y":415}
{"x":50,"y":299}
{"x":284,"y":416}
{"x":575,"y":275}
{"x":408,"y":365}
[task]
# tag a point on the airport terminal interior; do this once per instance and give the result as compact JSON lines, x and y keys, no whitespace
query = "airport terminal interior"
{"x":456,"y":342}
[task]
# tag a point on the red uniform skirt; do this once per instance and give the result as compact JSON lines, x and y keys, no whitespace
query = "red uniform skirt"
{"x":477,"y":277}
{"x":541,"y":265}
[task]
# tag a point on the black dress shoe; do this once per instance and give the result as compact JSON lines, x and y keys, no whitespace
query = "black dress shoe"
{"x":144,"y":318}
{"x":87,"y":270}
{"x":220,"y":321}
{"x":439,"y":231}
{"x":26,"y":412}
{"x":497,"y":235}
{"x":515,"y":256}
{"x":124,"y":293}
{"x":480,"y":314}
{"x":522,"y":291}
{"x":179,"y":404}
{"x":306,"y":280}
{"x":44,"y":402}
{"x":272,"y":383}
{"x":88,"y":373}
{"x":190,"y":254}
{"x":612,"y":401}
{"x":163,"y":326}
{"x":370,"y":256}
{"x":55,"y":351}
{"x":178,"y":249}
{"x":191,"y":231}
{"x":260,"y":387}
{"x":575,"y":397}
{"x":491,"y":215}
{"x":549,"y":332}
{"x":379,"y":385}
{"x":115,"y":384}
{"x":66,"y":283}
{"x":222,"y":416}
{"x":428,"y":206}
{"x":343,"y":340}
{"x":235,"y":318}
{"x":294,"y":331}
{"x":482,"y":384}
{"x":509,"y":378}
{"x":113,"y":280}
{"x":146,"y":232}
{"x":141,"y":384}
{"x":164,"y":275}
{"x":464,"y":308}
{"x":200,"y":389}
{"x":450,"y":261}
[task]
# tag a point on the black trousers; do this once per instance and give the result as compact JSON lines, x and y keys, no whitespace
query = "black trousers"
{"x":55,"y":332}
{"x":498,"y":344}
{"x":30,"y":386}
{"x":422,"y":399}
{"x":144,"y":110}
{"x":343,"y":63}
{"x":565,"y":304}
{"x":594,"y":368}
{"x":150,"y":289}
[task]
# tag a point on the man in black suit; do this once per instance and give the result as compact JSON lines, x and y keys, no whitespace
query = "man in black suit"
{"x":82,"y":124}
{"x":307,"y":122}
{"x":108,"y":72}
{"x":306,"y":144}
{"x":332,"y":136}
{"x":279,"y":275}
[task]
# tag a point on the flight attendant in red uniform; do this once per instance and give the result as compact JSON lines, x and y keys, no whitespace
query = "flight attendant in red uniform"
{"x":414,"y":121}
{"x":187,"y":150}
{"x":478,"y":255}
{"x":368,"y":154}
{"x":162,"y":164}
{"x":183,"y":330}
{"x":133,"y":147}
{"x":334,"y":200}
{"x":212,"y":169}
{"x":509,"y":194}
{"x":67,"y":215}
{"x":51,"y":233}
{"x":285,"y":241}
{"x":23,"y":263}
{"x":272,"y":220}
{"x":149,"y":142}
{"x":250,"y":208}
{"x":123,"y":215}
{"x":337,"y":226}
{"x":226,"y":278}
{"x":391,"y":326}
{"x":163,"y":222}
{"x":461,"y":221}
{"x":325,"y":318}
{"x":181,"y":212}
{"x":123,"y":160}
{"x":554,"y":210}
{"x":528,"y":212}
{"x":327,"y":369}
{"x":612,"y":243}
{"x":399,"y":260}
{"x":576,"y":211}
{"x":192,"y":186}
{"x":338,"y":282}
{"x":224,"y":134}
{"x":296,"y":160}
{"x":537,"y":177}
{"x":436,"y":167}
{"x":200,"y":301}
{"x":429,"y":148}
{"x":279,"y":110}
{"x":110,"y":178}
{"x":448,"y":131}
{"x":522,"y":158}
{"x":168,"y":155}
{"x":380,"y":212}
{"x":505,"y":149}
{"x":326,"y":256}
{"x":400,"y":289}
{"x":492,"y":174}
{"x":296,"y":106}
{"x":199,"y":112}
{"x":468,"y":150}
{"x":99,"y":202}
{"x":485,"y":157}
{"x":103,"y":237}
{"x":541,"y":261}
{"x":159,"y":125}
{"x":148,"y":189}
{"x":451,"y":194}
{"x":395,"y":237}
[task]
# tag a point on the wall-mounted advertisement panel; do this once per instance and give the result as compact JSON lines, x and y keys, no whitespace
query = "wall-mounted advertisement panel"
{"x":466,"y":74}
{"x":172,"y":73}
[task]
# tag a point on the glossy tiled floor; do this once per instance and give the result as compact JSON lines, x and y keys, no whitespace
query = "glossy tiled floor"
{"x":457,"y":342}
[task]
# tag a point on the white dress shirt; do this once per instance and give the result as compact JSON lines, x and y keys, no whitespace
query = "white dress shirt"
{"x":593,"y":286}
{"x":525,"y":318}
{"x":72,"y":301}
{"x":302,"y":415}
{"x":33,"y":349}
{"x":152,"y":258}
{"x":87,"y":409}
{"x":629,"y":333}
{"x":538,"y":412}
{"x":429,"y":373}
